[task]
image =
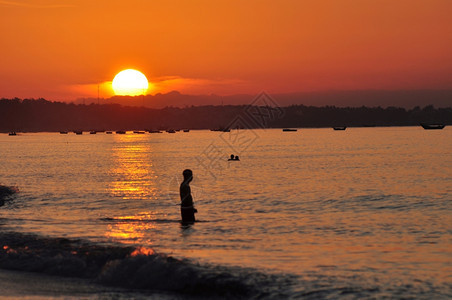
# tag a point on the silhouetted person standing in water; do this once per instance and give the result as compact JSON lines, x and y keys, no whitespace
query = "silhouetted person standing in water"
{"x":234,"y":157}
{"x":187,"y":209}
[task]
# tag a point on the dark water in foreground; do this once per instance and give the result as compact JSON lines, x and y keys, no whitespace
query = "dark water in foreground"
{"x":363,"y":213}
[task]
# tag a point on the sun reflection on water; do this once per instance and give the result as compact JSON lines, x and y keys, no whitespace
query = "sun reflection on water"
{"x":134,"y":179}
{"x":133,"y":172}
{"x":132,"y":229}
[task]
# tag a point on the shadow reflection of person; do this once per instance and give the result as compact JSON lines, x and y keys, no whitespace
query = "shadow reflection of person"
{"x":187,"y":208}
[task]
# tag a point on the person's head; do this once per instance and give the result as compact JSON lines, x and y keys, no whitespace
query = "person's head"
{"x":236,"y":157}
{"x":232,"y":156}
{"x":188,"y":175}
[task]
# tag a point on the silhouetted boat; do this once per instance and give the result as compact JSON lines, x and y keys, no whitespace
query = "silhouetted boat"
{"x":186,"y":130}
{"x":108,"y":132}
{"x":92,"y":132}
{"x":340,"y":127}
{"x":12,"y":133}
{"x":120,"y":132}
{"x":432,"y":126}
{"x":289,"y":130}
{"x":139,"y":132}
{"x":78,"y":132}
{"x":222,"y":129}
{"x":63,"y":132}
{"x":171,"y":131}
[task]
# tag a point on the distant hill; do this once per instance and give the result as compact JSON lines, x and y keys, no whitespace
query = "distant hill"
{"x":369,"y":98}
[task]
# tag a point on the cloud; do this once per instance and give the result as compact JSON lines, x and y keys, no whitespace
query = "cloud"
{"x":195,"y":85}
{"x":90,"y":90}
{"x":163,"y":85}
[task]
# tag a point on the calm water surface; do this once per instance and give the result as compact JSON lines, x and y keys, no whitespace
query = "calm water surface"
{"x":368,"y":205}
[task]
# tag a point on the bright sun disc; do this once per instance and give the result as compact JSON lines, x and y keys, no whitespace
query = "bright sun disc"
{"x":130,"y":82}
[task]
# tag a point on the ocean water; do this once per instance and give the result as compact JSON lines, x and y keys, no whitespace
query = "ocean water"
{"x":317,"y":213}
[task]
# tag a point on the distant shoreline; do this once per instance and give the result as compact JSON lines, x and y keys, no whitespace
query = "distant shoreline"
{"x":131,"y":131}
{"x":40,"y":115}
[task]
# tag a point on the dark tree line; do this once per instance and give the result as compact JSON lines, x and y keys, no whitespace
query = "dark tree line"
{"x":328,"y":116}
{"x":30,"y":115}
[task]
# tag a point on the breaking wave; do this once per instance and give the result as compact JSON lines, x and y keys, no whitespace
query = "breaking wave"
{"x":137,"y":268}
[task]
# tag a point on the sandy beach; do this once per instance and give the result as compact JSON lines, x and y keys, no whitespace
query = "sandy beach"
{"x":27,"y":285}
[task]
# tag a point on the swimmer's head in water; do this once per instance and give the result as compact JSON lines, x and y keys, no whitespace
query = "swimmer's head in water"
{"x":188,"y":175}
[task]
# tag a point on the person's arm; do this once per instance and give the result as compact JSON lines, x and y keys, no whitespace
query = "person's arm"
{"x":185,"y":195}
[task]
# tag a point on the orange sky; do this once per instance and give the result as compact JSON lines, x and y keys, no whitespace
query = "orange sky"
{"x":63,"y":49}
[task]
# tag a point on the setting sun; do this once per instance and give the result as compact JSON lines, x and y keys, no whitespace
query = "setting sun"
{"x":130,"y":82}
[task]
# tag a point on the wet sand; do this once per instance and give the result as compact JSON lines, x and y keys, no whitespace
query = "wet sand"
{"x":27,"y":285}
